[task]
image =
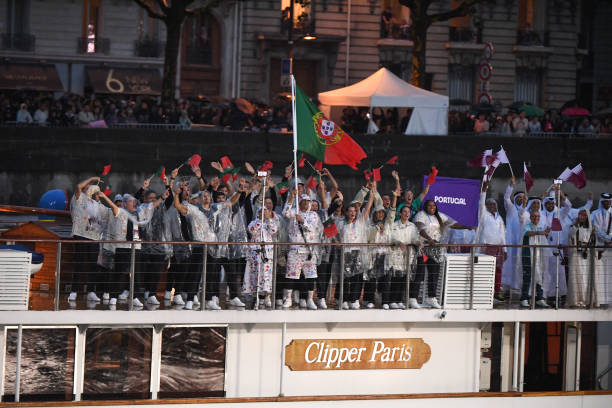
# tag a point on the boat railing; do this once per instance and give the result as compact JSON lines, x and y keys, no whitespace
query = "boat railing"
{"x":264,"y":275}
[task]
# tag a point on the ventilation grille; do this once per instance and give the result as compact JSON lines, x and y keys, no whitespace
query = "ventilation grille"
{"x":14,"y":279}
{"x":457,"y":282}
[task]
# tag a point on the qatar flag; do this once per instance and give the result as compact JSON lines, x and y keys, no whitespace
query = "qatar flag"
{"x":576,"y":176}
{"x":527,"y":177}
{"x":483,"y":159}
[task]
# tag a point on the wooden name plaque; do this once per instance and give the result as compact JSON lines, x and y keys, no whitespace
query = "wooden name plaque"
{"x":356,"y":354}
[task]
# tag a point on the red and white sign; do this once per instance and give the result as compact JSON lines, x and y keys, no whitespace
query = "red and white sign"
{"x":487,"y":51}
{"x":484,"y":98}
{"x":485,"y":71}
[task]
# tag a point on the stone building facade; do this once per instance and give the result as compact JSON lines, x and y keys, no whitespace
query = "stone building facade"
{"x":546,"y":52}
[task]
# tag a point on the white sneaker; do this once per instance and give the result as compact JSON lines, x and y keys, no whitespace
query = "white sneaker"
{"x":412,"y":302}
{"x":178,"y":300}
{"x":236,"y":302}
{"x":370,"y":305}
{"x":196,"y":300}
{"x":345,"y":306}
{"x":394,"y":306}
{"x":211,"y":305}
{"x":146,"y":294}
{"x":303,"y":304}
{"x":112,"y":306}
{"x":542,"y":303}
{"x":184,"y":295}
{"x":287,"y":303}
{"x":216,"y":299}
{"x":91,"y":304}
{"x":105,"y":296}
{"x":525,"y":303}
{"x":168,"y":295}
{"x":279,"y":302}
{"x":189,"y":305}
{"x":322,"y":304}
{"x":123,"y":295}
{"x":152,"y":300}
{"x":385,"y":306}
{"x":401,"y":306}
{"x":433,"y":303}
{"x":311,"y":304}
{"x":72,"y":297}
{"x":136,"y":303}
{"x":112,"y":301}
{"x":355,"y":305}
{"x":92,"y":297}
{"x":268,"y":302}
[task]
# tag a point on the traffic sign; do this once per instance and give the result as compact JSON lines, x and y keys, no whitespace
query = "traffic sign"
{"x":484,"y":71}
{"x":487,"y":51}
{"x":484,"y":98}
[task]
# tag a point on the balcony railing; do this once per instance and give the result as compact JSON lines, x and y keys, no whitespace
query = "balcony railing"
{"x":148,"y":48}
{"x":18,"y":42}
{"x":97,"y":45}
{"x":124,"y":269}
{"x":532,"y":38}
{"x":464,"y":35}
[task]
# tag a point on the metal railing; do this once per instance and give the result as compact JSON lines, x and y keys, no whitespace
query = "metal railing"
{"x":97,"y":45}
{"x":19,"y":42}
{"x":347,"y":276}
{"x":464,"y":35}
{"x":532,"y":38}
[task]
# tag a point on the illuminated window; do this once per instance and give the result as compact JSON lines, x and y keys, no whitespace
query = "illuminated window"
{"x":91,"y":29}
{"x":394,"y":20}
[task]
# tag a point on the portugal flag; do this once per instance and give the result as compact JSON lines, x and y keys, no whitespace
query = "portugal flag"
{"x":321,"y":138}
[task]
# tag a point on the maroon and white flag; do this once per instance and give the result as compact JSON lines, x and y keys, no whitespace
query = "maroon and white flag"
{"x":527,"y":177}
{"x":576,"y":176}
{"x":483,"y":159}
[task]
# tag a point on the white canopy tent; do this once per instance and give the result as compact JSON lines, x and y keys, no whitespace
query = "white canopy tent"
{"x":384,"y":89}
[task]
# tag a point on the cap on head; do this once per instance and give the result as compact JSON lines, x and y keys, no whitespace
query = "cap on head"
{"x":118,"y":197}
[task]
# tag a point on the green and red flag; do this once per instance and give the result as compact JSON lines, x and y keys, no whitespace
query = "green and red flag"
{"x":367,"y":174}
{"x":194,"y":161}
{"x":283,"y":187}
{"x":329,"y":228}
{"x":432,"y":176}
{"x":267,"y":165}
{"x":106,"y":170}
{"x":161,"y":172}
{"x":301,"y":160}
{"x":322,"y":138}
{"x":312,"y":182}
{"x":228,"y":169}
{"x":318,"y":165}
{"x":107,"y":191}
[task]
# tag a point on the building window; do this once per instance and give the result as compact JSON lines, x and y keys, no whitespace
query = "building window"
{"x":531,"y":22}
{"x":527,"y":86}
{"x":148,"y":43}
{"x":202,"y":40}
{"x":17,"y":35}
{"x":394,"y":20}
{"x":91,"y":30}
{"x":461,"y":83}
{"x":303,"y":21}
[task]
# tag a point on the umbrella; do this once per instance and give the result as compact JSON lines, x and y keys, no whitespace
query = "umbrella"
{"x":483,"y":108}
{"x":531,"y":110}
{"x":514,"y":106}
{"x":245,"y":106}
{"x":576,"y":112}
{"x":459,"y":102}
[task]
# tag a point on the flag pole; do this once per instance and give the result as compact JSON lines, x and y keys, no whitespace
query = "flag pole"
{"x":295,"y":140}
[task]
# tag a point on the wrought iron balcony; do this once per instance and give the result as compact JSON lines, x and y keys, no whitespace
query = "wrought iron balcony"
{"x":528,"y":37}
{"x":97,"y":45}
{"x":18,"y":42}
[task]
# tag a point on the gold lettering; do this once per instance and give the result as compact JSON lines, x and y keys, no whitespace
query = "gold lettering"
{"x":110,"y":80}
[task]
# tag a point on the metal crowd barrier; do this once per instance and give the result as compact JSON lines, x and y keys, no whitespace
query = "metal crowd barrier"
{"x":567,"y":276}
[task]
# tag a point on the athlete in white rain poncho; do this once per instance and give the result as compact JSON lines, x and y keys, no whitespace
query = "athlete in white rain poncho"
{"x":379,"y":232}
{"x":581,"y":238}
{"x":602,"y":224}
{"x":258,"y":274}
{"x":354,"y":229}
{"x":552,"y":256}
{"x":511,"y":274}
{"x":303,"y":228}
{"x":533,"y":234}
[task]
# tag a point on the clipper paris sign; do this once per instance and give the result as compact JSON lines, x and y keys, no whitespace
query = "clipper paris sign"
{"x":356,"y":354}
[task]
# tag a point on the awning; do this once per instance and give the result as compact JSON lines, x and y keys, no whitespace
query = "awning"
{"x":140,"y":81}
{"x":38,"y":77}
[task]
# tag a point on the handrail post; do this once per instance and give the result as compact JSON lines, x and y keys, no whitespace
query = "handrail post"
{"x":472,"y":254}
{"x":132,"y":271}
{"x":341,"y":296}
{"x":592,"y":271}
{"x":58,"y":264}
{"x":18,"y":363}
{"x":274,"y":282}
{"x":534,"y":262}
{"x":204,"y":270}
{"x":408,"y":269}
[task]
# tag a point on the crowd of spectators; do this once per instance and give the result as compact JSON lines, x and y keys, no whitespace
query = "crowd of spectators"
{"x":519,"y":124}
{"x":71,"y":110}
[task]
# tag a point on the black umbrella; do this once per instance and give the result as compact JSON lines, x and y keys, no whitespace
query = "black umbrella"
{"x":483,"y":108}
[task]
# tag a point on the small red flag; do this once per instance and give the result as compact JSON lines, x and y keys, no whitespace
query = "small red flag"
{"x":556,"y":225}
{"x":194,"y":161}
{"x":267,"y":165}
{"x":392,"y":160}
{"x":432,"y":176}
{"x":107,"y":191}
{"x":368,"y":174}
{"x":318,"y":165}
{"x":226,"y":163}
{"x":312,"y":183}
{"x":329,"y":228}
{"x":376,"y":174}
{"x":527,"y":177}
{"x":578,"y":177}
{"x":301,"y":161}
{"x":106,"y":170}
{"x":162,"y":176}
{"x":226,"y":177}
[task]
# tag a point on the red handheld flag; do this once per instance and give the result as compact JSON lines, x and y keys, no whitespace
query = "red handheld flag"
{"x":107,"y":191}
{"x":312,"y":183}
{"x":267,"y":165}
{"x":376,"y":174}
{"x":329,"y":228}
{"x":226,"y":163}
{"x":556,"y":225}
{"x":162,"y":176}
{"x":194,"y":161}
{"x":392,"y":160}
{"x":106,"y":170}
{"x":301,"y":161}
{"x":367,"y":174}
{"x":432,"y":176}
{"x":318,"y":165}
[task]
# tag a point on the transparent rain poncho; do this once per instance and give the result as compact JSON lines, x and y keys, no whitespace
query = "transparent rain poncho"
{"x":89,"y":217}
{"x":222,"y":229}
{"x":155,"y":230}
{"x":238,"y":232}
{"x":397,"y":262}
{"x":356,"y":259}
{"x":172,"y":226}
